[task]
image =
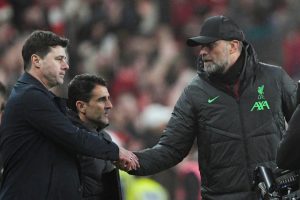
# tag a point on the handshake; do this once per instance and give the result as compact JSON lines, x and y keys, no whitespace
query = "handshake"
{"x":127,"y":160}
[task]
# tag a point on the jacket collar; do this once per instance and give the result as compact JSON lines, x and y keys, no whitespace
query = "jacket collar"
{"x":73,"y":116}
{"x":250,"y":65}
{"x":29,"y":79}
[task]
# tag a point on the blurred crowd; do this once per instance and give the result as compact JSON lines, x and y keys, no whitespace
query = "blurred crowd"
{"x":138,"y":46}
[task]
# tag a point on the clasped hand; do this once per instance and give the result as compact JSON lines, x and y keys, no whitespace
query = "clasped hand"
{"x":127,"y":160}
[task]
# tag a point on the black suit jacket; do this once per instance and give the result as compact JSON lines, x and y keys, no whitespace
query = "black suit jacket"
{"x":39,"y":146}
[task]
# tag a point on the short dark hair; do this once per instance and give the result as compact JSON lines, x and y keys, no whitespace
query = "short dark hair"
{"x":80,"y":88}
{"x":39,"y":42}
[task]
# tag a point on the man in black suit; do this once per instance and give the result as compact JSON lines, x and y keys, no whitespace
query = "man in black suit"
{"x":38,"y":143}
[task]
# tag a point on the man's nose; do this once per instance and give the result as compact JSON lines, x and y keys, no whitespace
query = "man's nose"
{"x":203,"y":51}
{"x":109,"y":104}
{"x":65,"y":65}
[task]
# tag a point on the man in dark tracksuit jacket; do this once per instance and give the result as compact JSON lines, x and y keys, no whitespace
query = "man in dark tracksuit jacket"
{"x":38,"y":143}
{"x":99,"y":178}
{"x":236,"y":111}
{"x":89,"y":103}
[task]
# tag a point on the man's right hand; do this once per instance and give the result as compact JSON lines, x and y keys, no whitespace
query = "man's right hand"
{"x":127,"y":160}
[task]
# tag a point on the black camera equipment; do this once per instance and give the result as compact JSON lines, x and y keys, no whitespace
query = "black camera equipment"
{"x":276,"y":185}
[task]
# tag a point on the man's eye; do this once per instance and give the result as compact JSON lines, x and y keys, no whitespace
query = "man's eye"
{"x":62,"y":59}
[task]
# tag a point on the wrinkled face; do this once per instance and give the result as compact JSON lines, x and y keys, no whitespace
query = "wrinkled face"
{"x":54,"y":66}
{"x":97,"y":109}
{"x":215,"y":57}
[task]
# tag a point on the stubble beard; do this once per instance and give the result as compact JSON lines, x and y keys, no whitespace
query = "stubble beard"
{"x":213,"y":68}
{"x":217,"y":67}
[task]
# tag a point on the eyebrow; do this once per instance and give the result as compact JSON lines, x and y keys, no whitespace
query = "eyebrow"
{"x":62,"y":57}
{"x":103,"y":97}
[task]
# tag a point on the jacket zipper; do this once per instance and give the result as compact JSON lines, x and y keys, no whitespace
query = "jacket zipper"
{"x":244,"y":141}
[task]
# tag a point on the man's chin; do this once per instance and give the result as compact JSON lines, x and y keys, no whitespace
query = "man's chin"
{"x":60,"y":82}
{"x":211,"y":72}
{"x":214,"y":71}
{"x":102,"y":125}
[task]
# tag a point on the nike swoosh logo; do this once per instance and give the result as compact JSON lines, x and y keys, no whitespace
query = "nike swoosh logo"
{"x":212,"y":100}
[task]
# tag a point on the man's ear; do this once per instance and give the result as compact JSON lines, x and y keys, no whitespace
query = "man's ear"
{"x":81,"y":107}
{"x":35,"y":60}
{"x":234,"y":46}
